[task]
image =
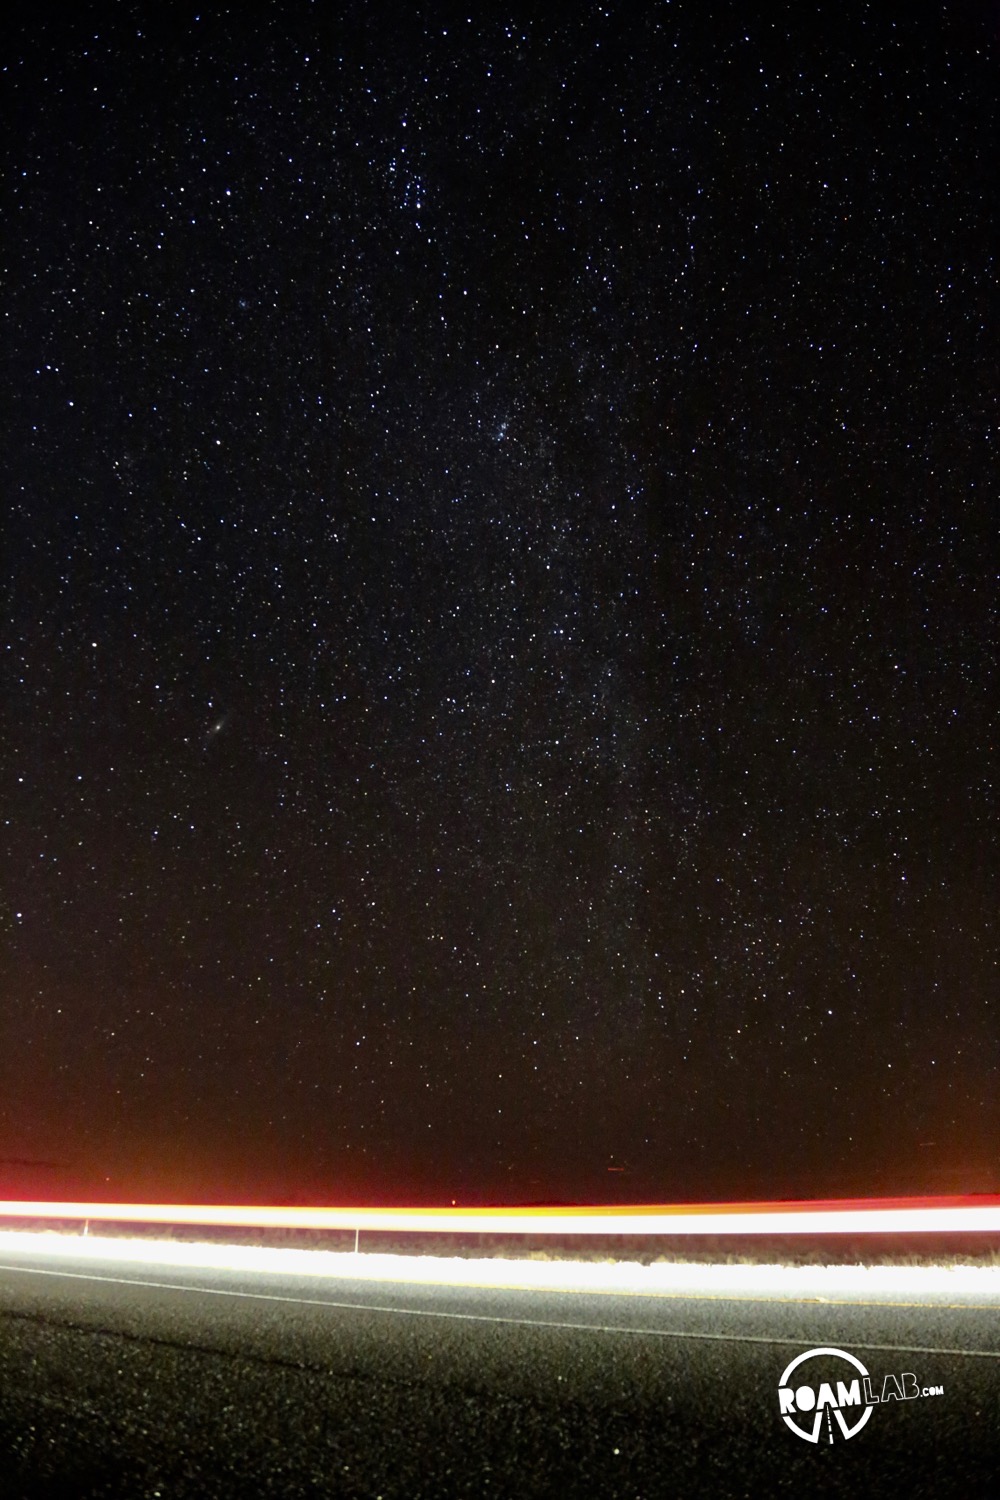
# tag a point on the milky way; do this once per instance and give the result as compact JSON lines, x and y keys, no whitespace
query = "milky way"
{"x":500,"y":673}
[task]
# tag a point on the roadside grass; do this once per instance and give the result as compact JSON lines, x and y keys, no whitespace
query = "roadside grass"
{"x":910,"y":1250}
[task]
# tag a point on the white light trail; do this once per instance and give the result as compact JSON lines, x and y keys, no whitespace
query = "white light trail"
{"x":955,"y":1285}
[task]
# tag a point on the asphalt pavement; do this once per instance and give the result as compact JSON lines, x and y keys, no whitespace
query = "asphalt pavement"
{"x":159,"y":1380}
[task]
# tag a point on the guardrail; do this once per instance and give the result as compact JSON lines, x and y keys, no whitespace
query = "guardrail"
{"x":838,"y":1216}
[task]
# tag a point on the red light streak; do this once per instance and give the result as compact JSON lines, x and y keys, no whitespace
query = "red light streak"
{"x":833,"y":1216}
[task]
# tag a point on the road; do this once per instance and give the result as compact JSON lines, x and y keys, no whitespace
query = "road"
{"x":121,"y":1379}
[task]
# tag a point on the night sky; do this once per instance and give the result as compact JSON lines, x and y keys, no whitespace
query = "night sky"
{"x":501,"y":545}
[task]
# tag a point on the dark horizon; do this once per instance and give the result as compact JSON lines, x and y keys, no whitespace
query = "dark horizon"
{"x":925,"y":1178}
{"x":500,"y":674}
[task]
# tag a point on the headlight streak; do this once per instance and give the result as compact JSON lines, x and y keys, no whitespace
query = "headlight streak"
{"x":954,"y":1285}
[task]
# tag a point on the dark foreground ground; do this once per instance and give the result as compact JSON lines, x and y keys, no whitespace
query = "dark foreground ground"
{"x":301,"y":1387}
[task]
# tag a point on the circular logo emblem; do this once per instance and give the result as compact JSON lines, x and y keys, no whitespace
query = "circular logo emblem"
{"x":823,"y":1401}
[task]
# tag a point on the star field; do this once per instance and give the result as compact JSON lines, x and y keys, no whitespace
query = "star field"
{"x":500,"y":667}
